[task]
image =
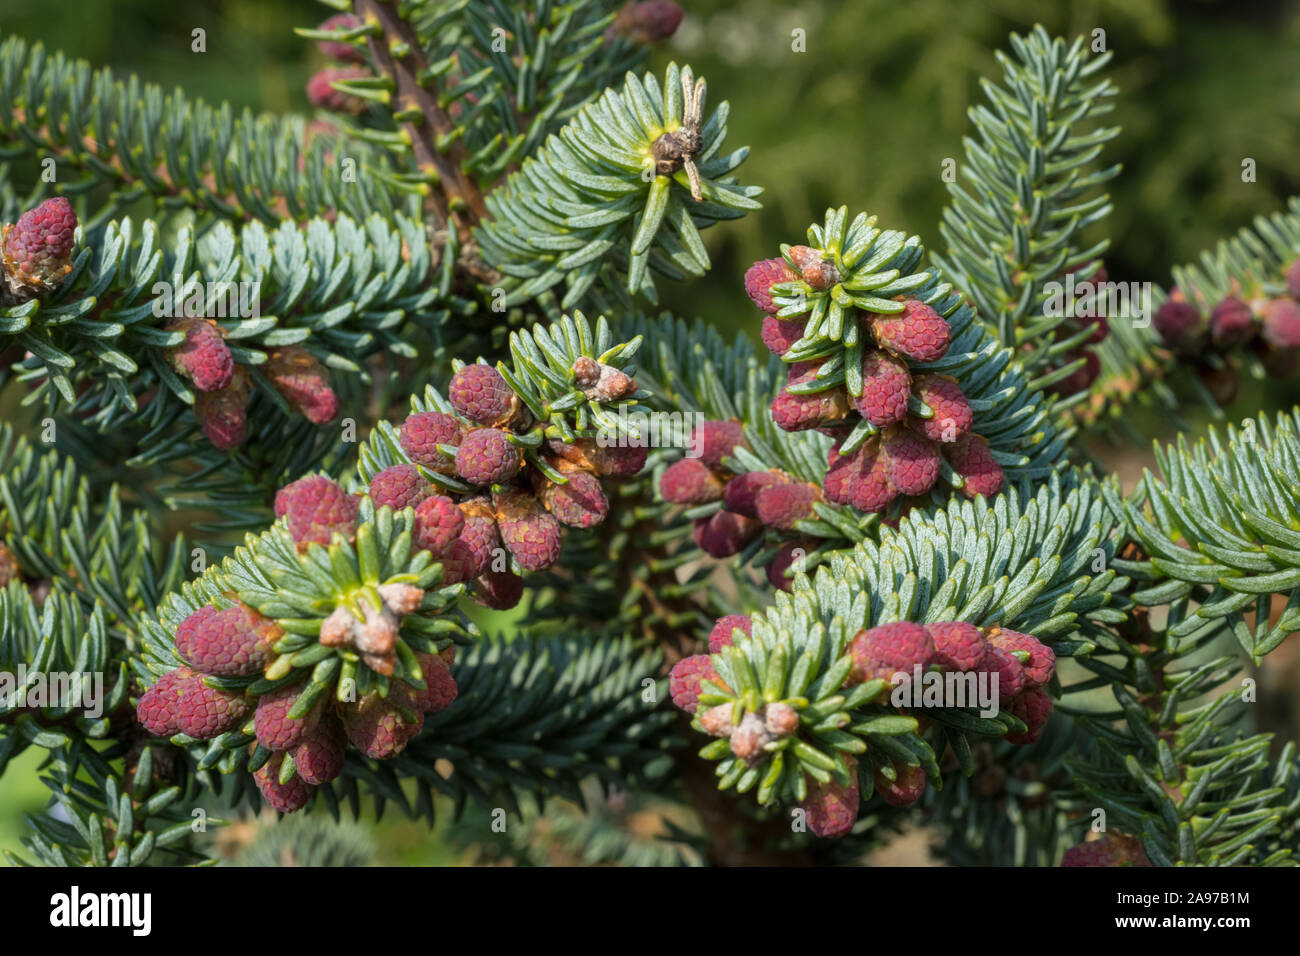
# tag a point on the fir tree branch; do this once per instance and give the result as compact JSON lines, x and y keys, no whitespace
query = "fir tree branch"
{"x":1007,"y":811}
{"x":1217,"y":525}
{"x":1140,"y":366}
{"x":1168,"y":761}
{"x":56,"y":532}
{"x":79,"y":571}
{"x":602,"y":199}
{"x":342,"y":289}
{"x":116,"y":817}
{"x":505,"y":76}
{"x":179,"y":151}
{"x":538,"y":715}
{"x":621,"y":829}
{"x":1034,"y":563}
{"x":1019,"y":223}
{"x":439,"y":157}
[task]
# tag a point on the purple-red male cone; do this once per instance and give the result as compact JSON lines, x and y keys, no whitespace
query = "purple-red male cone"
{"x":36,"y":251}
{"x":303,"y":382}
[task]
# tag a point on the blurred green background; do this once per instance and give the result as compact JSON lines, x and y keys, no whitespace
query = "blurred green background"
{"x":864,"y":117}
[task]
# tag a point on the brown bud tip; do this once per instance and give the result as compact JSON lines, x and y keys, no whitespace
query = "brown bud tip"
{"x":781,"y":720}
{"x":378,"y":634}
{"x":336,"y":630}
{"x":586,"y":371}
{"x":611,"y":385}
{"x":717,"y":721}
{"x":749,"y":739}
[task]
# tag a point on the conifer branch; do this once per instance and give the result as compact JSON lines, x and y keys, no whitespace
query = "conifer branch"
{"x":1216,"y":526}
{"x":1228,"y":313}
{"x":1168,"y":762}
{"x":898,"y":465}
{"x":181,"y":152}
{"x":803,"y":649}
{"x":396,"y":51}
{"x":598,"y":201}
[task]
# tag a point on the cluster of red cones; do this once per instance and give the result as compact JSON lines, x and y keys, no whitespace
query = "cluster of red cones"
{"x":918,"y":419}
